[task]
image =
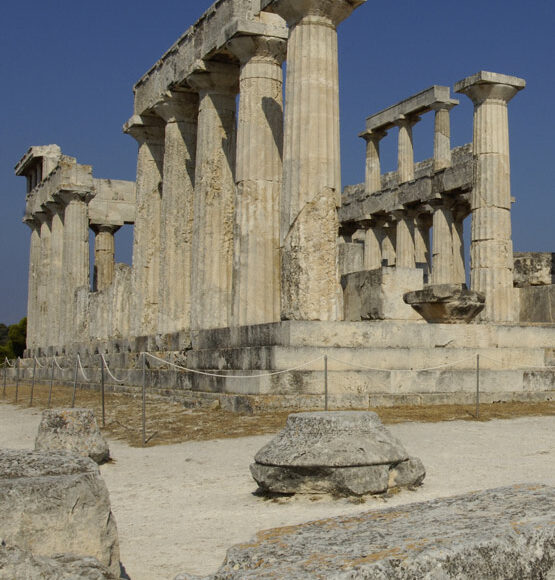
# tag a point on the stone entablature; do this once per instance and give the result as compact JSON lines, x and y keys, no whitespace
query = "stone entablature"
{"x":206,"y":39}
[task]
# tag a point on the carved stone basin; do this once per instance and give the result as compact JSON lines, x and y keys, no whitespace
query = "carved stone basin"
{"x":446,"y":303}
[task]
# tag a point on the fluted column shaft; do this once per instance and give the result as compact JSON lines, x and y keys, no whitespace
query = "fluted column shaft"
{"x":405,"y":149}
{"x":442,"y":251}
{"x":149,"y":133}
{"x":212,"y":248}
{"x":373,"y":247}
{"x":459,"y":270}
{"x":311,"y":160}
{"x":405,"y":242}
{"x":75,"y":264}
{"x":442,"y":136}
{"x":256,"y":260}
{"x":180,"y":111}
{"x":491,"y":244}
{"x":373,"y":181}
{"x":389,"y":244}
{"x":43,"y":297}
{"x":33,"y":319}
{"x":422,"y":251}
{"x":56,"y":282}
{"x":104,"y":252}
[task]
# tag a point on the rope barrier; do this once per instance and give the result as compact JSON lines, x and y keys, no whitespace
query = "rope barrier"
{"x":58,"y":365}
{"x":360,"y":366}
{"x":233,"y":376}
{"x":109,"y":372}
{"x":9,"y":364}
{"x":38,"y":363}
{"x":81,"y":368}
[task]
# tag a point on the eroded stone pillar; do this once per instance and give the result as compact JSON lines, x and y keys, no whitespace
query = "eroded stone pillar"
{"x":43,"y":297}
{"x":405,"y":241}
{"x":405,"y":148}
{"x":491,"y":244}
{"x":104,"y":251}
{"x":56,"y":281}
{"x":311,"y":163}
{"x":75,"y":260}
{"x":442,"y":250}
{"x":212,"y":248}
{"x":442,"y":135}
{"x":457,"y":233}
{"x":256,"y":275}
{"x":33,"y":319}
{"x":373,"y":180}
{"x":149,"y":133}
{"x":422,"y":251}
{"x":389,"y":243}
{"x":180,"y":112}
{"x":373,"y":246}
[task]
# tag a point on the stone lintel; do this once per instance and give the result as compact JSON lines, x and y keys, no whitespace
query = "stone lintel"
{"x":205,"y":39}
{"x":35,"y":153}
{"x":293,"y":12}
{"x":422,"y":102}
{"x":485,"y":77}
{"x":145,"y":128}
{"x":114,"y":202}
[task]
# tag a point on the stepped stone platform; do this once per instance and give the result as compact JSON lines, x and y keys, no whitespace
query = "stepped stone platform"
{"x":496,"y":534}
{"x":369,"y":364}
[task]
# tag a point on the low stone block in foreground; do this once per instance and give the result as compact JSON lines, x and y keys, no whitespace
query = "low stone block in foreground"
{"x":56,"y":503}
{"x":496,"y":534}
{"x":339,"y":452}
{"x":73,"y":430}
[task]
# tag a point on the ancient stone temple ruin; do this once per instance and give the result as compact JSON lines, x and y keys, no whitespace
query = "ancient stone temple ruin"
{"x":249,"y":259}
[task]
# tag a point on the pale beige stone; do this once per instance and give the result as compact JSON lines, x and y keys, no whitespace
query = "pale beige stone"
{"x":442,"y":252}
{"x":104,"y":248}
{"x":33,"y":318}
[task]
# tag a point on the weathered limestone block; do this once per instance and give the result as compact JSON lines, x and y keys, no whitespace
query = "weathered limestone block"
{"x":73,"y":430}
{"x":17,"y":563}
{"x":53,"y":503}
{"x":340,"y":452}
{"x":351,"y":257}
{"x":537,"y":304}
{"x":446,"y":303}
{"x":533,"y":269}
{"x":378,"y":294}
{"x":495,"y":534}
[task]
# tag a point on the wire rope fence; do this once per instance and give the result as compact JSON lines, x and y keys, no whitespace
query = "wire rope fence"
{"x":100,"y":376}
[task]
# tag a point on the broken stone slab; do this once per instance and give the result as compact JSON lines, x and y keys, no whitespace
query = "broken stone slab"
{"x":339,"y":452}
{"x":496,"y":534}
{"x":56,"y":503}
{"x":73,"y":430}
{"x":18,"y":563}
{"x":446,"y":303}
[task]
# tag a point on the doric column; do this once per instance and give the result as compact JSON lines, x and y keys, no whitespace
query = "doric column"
{"x":373,"y":246}
{"x":33,"y":319}
{"x":491,"y":244}
{"x":56,"y":282}
{"x":422,"y":253}
{"x":389,"y":242}
{"x":311,"y":160}
{"x":373,"y":181}
{"x":457,"y":231}
{"x":405,"y":240}
{"x":405,"y":148}
{"x":442,"y":251}
{"x":180,"y":112}
{"x":43,"y":298}
{"x":149,"y":133}
{"x":75,"y":260}
{"x":212,"y":259}
{"x":104,"y":250}
{"x":256,"y":262}
{"x":442,"y":135}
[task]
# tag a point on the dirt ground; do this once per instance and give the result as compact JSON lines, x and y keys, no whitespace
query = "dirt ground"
{"x":169,"y":422}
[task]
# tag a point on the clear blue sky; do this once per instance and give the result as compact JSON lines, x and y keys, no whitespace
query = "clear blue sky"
{"x":68,"y":68}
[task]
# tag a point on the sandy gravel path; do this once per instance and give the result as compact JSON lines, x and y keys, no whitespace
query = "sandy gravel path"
{"x":179,"y":507}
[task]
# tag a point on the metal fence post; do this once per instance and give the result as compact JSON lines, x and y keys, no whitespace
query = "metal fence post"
{"x":477,"y":386}
{"x":103,"y":395}
{"x":33,"y":382}
{"x":326,"y":382}
{"x":17,"y":380}
{"x":144,"y":399}
{"x":51,"y":383}
{"x":75,"y":381}
{"x":5,"y":377}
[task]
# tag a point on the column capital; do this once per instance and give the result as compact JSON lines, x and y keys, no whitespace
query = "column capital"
{"x":104,"y":228}
{"x":214,"y":77}
{"x":32,"y":221}
{"x":66,"y":196}
{"x":444,"y":105}
{"x":486,"y":86}
{"x":177,"y":106}
{"x":406,"y":120}
{"x":295,"y":11}
{"x":375,"y":135}
{"x":264,"y":48}
{"x":145,"y":128}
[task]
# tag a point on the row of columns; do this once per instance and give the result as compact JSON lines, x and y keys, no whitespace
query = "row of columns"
{"x":403,"y":239}
{"x":237,"y":199}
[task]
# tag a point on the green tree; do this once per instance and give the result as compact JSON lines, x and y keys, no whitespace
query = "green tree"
{"x":17,"y":337}
{"x":3,"y":334}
